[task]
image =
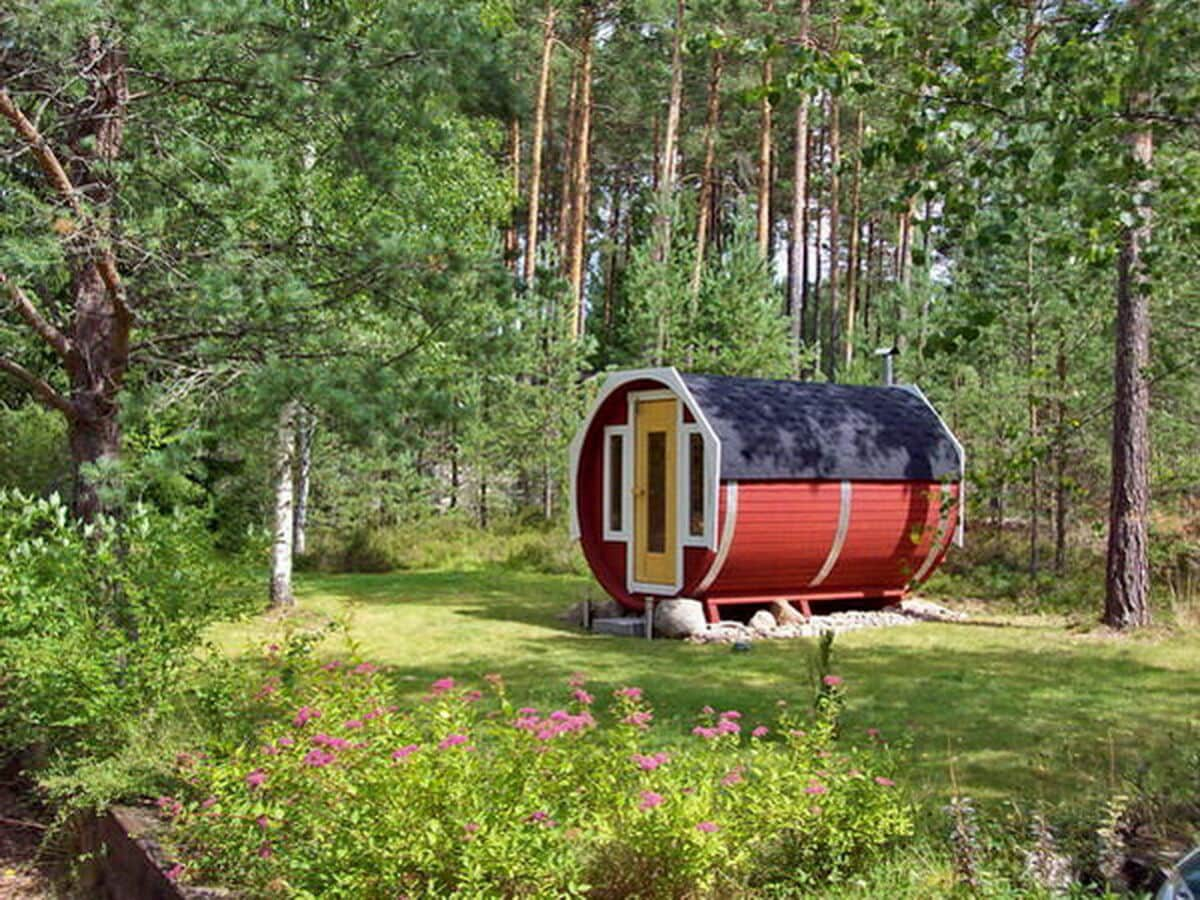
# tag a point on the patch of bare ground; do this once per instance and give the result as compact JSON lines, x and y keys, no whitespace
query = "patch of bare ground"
{"x":21,"y":831}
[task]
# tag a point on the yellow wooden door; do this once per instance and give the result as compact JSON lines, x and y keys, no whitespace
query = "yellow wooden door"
{"x":654,"y":511}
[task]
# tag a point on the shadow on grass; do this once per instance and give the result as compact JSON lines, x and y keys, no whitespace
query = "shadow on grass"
{"x":1023,"y":710}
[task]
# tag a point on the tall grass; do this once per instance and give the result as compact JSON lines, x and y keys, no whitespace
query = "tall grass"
{"x":446,"y":542}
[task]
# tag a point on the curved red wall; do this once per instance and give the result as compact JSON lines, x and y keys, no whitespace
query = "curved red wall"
{"x":782,"y":532}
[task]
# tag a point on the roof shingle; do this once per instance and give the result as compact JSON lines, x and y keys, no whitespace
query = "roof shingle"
{"x":774,"y":430}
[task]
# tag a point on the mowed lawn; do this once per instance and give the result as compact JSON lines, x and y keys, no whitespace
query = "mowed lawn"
{"x":1020,"y":707}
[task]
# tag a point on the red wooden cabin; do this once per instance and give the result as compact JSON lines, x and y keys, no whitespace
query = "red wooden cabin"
{"x":744,"y":490}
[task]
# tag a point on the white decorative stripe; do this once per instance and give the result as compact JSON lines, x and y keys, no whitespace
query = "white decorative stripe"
{"x":939,"y":539}
{"x":714,"y":570}
{"x":839,"y":537}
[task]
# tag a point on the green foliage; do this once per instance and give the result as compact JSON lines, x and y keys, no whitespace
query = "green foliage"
{"x":733,"y":325}
{"x":33,"y":457}
{"x":342,"y":794}
{"x":98,"y":626}
{"x":448,"y":542}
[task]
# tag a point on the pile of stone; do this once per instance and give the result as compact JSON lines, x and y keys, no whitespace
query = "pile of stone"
{"x":770,"y":625}
{"x":685,"y":619}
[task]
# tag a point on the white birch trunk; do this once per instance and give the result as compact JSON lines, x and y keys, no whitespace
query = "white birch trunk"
{"x":305,"y":427}
{"x":282,"y":544}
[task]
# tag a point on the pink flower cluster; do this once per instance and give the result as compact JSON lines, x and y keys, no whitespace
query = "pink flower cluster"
{"x":582,"y":696}
{"x":333,"y":743}
{"x":815,"y":787}
{"x":558,"y":723}
{"x":406,"y":751}
{"x":318,"y":758}
{"x":256,"y":779}
{"x":452,"y":740}
{"x":707,"y":827}
{"x":734,"y":777}
{"x":650,"y":800}
{"x":639,"y":719}
{"x":305,"y":715}
{"x":832,"y":680}
{"x":541,"y":817}
{"x":727,"y":723}
{"x":629,"y":693}
{"x":651,"y":762}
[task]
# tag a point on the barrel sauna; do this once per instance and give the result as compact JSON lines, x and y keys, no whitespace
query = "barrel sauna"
{"x":744,"y":490}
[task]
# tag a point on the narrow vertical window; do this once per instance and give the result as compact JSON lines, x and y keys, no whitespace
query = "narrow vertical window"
{"x":656,"y":492}
{"x":616,"y":483}
{"x":696,"y":496}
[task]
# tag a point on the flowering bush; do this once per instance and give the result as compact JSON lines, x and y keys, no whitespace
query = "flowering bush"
{"x":346,"y":795}
{"x":99,"y":631}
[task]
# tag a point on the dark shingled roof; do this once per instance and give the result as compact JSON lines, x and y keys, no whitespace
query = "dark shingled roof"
{"x":799,"y":430}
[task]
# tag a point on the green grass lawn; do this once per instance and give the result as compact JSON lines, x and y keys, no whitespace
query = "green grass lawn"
{"x":1022,"y":707}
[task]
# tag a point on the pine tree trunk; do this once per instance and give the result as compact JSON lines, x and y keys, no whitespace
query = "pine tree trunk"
{"x":306,"y":426}
{"x":512,"y":242}
{"x":1060,"y":461}
{"x":282,"y":544}
{"x":764,"y":156}
{"x":455,"y":473}
{"x":798,"y":262}
{"x":535,"y":147}
{"x":835,"y":159}
{"x":566,"y":193}
{"x":712,"y":118}
{"x":868,"y":280}
{"x":614,"y":250}
{"x":1128,"y":579}
{"x":852,"y":261}
{"x":97,"y":353}
{"x":1031,"y":312}
{"x":666,"y":178}
{"x":816,"y":221}
{"x":581,"y":185}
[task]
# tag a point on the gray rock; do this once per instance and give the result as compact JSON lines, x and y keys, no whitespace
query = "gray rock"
{"x":928,"y":611}
{"x":679,"y":618}
{"x":762,"y":622}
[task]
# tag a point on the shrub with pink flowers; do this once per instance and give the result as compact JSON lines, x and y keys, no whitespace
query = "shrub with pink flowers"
{"x":344,"y":794}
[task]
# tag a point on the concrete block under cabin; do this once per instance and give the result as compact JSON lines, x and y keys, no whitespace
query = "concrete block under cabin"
{"x":751,"y":491}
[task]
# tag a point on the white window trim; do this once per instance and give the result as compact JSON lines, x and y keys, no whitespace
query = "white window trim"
{"x":625,"y":433}
{"x":684,"y":465}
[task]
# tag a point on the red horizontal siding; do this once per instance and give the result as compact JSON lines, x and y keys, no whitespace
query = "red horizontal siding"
{"x":785,"y":530}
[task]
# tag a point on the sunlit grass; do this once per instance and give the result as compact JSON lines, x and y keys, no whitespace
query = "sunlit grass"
{"x":1023,"y":706}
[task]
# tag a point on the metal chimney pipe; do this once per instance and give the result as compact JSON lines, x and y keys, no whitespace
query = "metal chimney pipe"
{"x":888,"y":354}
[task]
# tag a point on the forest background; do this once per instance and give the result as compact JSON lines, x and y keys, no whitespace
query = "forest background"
{"x":349,"y":270}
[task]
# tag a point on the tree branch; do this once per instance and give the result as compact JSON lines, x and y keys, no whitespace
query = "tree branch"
{"x":34,"y":319}
{"x":38,"y":386}
{"x":61,"y":182}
